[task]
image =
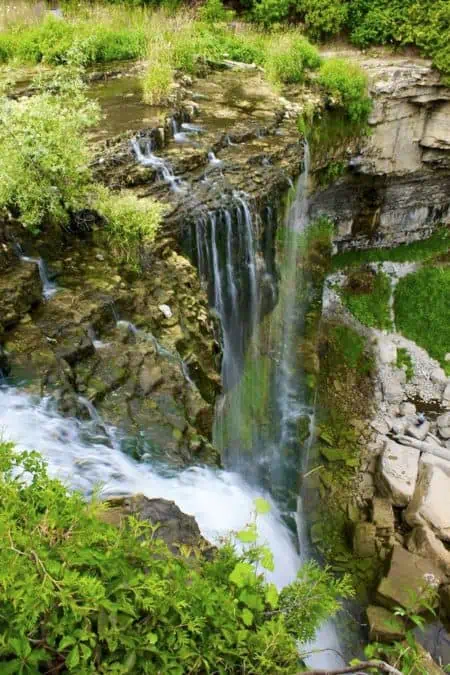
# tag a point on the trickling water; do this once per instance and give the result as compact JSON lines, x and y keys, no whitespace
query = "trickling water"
{"x":213,"y":160}
{"x":49,"y":288}
{"x":147,"y":158}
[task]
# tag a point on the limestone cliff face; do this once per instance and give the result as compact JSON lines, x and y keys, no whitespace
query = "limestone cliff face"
{"x":398,"y":186}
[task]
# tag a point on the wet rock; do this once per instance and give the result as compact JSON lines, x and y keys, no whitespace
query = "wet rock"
{"x":364,"y":540}
{"x":424,"y":543}
{"x":150,"y":378}
{"x":397,"y":472}
{"x":20,"y":291}
{"x":175,"y":528}
{"x":408,"y":577}
{"x":430,"y":504}
{"x":384,"y":626}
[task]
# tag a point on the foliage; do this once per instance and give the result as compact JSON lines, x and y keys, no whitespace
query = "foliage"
{"x":213,"y":11}
{"x":52,"y":41}
{"x":427,"y":249}
{"x":347,"y":84}
{"x":288,"y":55}
{"x":407,"y":656}
{"x":322,"y":18}
{"x":44,"y":159}
{"x":367,"y":295}
{"x":404,"y":361}
{"x":268,"y":12}
{"x":158,"y":78}
{"x":81,"y":596}
{"x":422,"y":310}
{"x":331,"y":173}
{"x":130,"y":222}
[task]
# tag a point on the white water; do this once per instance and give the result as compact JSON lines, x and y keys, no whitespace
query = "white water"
{"x":49,"y":288}
{"x":220,"y":500}
{"x":213,"y":160}
{"x":165,"y":171}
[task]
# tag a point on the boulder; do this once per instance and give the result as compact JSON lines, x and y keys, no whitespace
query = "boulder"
{"x":424,"y":543}
{"x":387,"y":351}
{"x":393,"y":391}
{"x":407,"y":409}
{"x":364,"y":540}
{"x":430,"y":504}
{"x":409,"y":576}
{"x":443,"y":423}
{"x":446,"y":397}
{"x":397,"y":472}
{"x":149,"y":378}
{"x":384,"y":626}
{"x":419,"y":432}
{"x":175,"y":528}
{"x":383,"y":515}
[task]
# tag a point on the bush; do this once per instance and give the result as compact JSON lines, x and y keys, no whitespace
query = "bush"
{"x":158,"y":78}
{"x":130,"y":222}
{"x":81,"y":596}
{"x":322,"y":18}
{"x":287,"y":58}
{"x":268,"y":12}
{"x":213,"y":11}
{"x":44,"y":159}
{"x":347,"y":84}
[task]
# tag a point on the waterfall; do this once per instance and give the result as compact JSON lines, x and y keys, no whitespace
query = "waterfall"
{"x":146,"y":157}
{"x":49,"y":288}
{"x":221,"y":501}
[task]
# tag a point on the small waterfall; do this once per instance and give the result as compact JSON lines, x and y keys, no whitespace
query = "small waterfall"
{"x":147,"y":158}
{"x":213,"y":160}
{"x":49,"y":288}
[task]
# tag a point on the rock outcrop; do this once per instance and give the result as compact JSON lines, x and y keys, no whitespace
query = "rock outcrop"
{"x":398,"y":185}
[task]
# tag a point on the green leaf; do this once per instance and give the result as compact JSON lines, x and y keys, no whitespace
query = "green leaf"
{"x":266,"y":559}
{"x":247,"y":617}
{"x":67,"y":641}
{"x":248,"y":536}
{"x":242,"y":575}
{"x":73,"y":659}
{"x":130,"y":661}
{"x":262,"y":506}
{"x":252,"y":600}
{"x":272,"y":595}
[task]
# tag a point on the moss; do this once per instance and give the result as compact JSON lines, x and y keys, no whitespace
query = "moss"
{"x":404,"y":362}
{"x":428,"y":249}
{"x":422,"y":310}
{"x":367,"y":295}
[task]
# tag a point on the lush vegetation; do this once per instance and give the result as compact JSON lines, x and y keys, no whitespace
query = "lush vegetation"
{"x":81,"y":596}
{"x":404,"y":361}
{"x":422,"y":310}
{"x":347,"y":84}
{"x":367,"y":295}
{"x":45,"y":179}
{"x":429,"y":249}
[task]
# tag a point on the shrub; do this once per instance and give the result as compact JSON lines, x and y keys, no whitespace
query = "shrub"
{"x":81,"y":596}
{"x":268,"y":12}
{"x":288,"y":56}
{"x":322,"y":18}
{"x":213,"y":11}
{"x":130,"y":221}
{"x":44,"y":158}
{"x":347,"y":85}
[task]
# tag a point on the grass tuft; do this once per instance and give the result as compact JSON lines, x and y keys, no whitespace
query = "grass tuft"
{"x":367,"y":296}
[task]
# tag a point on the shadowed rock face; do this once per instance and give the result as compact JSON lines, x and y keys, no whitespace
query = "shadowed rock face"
{"x":398,"y":185}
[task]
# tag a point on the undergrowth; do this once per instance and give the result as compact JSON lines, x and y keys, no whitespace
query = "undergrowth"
{"x":428,"y":249}
{"x":367,"y":294}
{"x":81,"y":596}
{"x":422,"y":310}
{"x":404,"y":361}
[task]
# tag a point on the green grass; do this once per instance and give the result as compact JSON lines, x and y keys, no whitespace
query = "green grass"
{"x":422,"y":310}
{"x":404,"y":361}
{"x":367,"y":296}
{"x":347,"y":85}
{"x":433,"y":247}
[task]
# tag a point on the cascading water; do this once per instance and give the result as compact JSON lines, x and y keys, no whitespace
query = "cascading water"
{"x":49,"y":288}
{"x":145,"y":156}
